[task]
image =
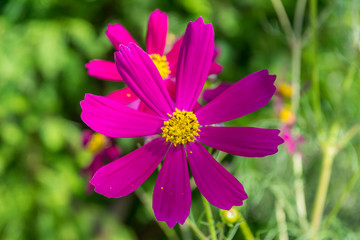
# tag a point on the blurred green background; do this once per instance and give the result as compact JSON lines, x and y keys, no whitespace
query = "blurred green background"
{"x":44,"y":45}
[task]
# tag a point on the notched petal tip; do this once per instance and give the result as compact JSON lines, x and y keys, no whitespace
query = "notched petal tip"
{"x":117,"y":34}
{"x":199,"y":20}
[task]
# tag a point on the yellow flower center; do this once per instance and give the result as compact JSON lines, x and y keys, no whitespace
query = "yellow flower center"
{"x":97,"y":142}
{"x":182,"y":127}
{"x":161,"y":64}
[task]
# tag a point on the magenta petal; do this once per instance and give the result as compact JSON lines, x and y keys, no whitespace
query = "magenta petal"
{"x":215,"y":68}
{"x":210,"y":94}
{"x":103,"y":70}
{"x":122,"y":176}
{"x":117,"y":35}
{"x":142,"y":77}
{"x":194,"y":62}
{"x":113,"y":119}
{"x":172,"y":192}
{"x":242,"y":141}
{"x":244,"y":97}
{"x":124,"y":96}
{"x":215,"y":183}
{"x":156,"y":33}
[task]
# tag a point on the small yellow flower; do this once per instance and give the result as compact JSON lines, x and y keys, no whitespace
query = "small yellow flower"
{"x":285,"y":90}
{"x":287,"y":116}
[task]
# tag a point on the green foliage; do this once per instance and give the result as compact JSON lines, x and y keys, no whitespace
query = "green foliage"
{"x":44,"y":47}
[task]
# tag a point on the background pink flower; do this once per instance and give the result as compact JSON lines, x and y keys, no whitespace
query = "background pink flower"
{"x":104,"y":150}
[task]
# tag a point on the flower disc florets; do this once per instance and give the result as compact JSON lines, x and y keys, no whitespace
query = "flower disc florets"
{"x":161,"y":64}
{"x":182,"y":127}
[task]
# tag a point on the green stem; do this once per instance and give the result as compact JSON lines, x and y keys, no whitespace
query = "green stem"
{"x":328,"y":159}
{"x":196,"y":230}
{"x":299,"y":191}
{"x":232,"y":231}
{"x":340,"y":201}
{"x":245,"y":229}
{"x":284,"y":20}
{"x":209,"y":218}
{"x":315,"y":69}
{"x":220,"y":156}
{"x":295,"y":101}
{"x":348,"y":136}
{"x":299,"y":17}
{"x":146,"y":200}
{"x":281,"y":220}
{"x":221,"y":232}
{"x":349,"y":79}
{"x":296,"y":68}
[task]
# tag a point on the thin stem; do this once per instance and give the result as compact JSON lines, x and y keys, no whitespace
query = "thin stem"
{"x":245,"y":229}
{"x":348,"y":136}
{"x":340,"y":201}
{"x":315,"y":69}
{"x":295,"y":75}
{"x":209,"y":218}
{"x":299,"y":191}
{"x":232,"y":231}
{"x":284,"y":20}
{"x":356,"y":27}
{"x":220,"y":156}
{"x":349,"y":79}
{"x":221,"y":231}
{"x":322,"y":18}
{"x":196,"y":230}
{"x":299,"y":17}
{"x":295,"y":101}
{"x":281,"y":220}
{"x":146,"y":201}
{"x":329,"y":154}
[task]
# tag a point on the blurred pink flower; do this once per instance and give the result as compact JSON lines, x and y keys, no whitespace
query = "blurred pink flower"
{"x":182,"y":128}
{"x":104,"y":150}
{"x":291,"y":142}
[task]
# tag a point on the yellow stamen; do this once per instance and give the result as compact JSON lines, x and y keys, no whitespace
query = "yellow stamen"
{"x":97,"y":142}
{"x":161,"y":64}
{"x":182,"y":127}
{"x":128,"y":95}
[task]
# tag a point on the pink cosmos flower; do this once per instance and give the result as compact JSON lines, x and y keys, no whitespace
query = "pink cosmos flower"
{"x":292,"y":142}
{"x":183,"y":130}
{"x":155,"y":46}
{"x":104,"y":150}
